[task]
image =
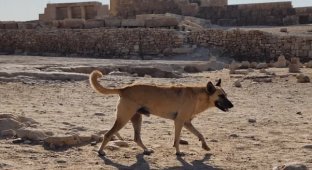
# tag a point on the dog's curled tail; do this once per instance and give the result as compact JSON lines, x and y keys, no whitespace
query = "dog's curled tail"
{"x":97,"y":86}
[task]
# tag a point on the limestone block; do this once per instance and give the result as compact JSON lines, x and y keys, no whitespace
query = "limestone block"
{"x":132,"y":23}
{"x":112,"y":22}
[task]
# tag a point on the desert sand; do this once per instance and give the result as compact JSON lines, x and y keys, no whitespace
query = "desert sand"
{"x":270,"y":124}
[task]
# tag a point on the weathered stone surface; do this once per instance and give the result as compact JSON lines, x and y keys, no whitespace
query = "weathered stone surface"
{"x":291,"y":166}
{"x":32,"y":134}
{"x":9,"y":123}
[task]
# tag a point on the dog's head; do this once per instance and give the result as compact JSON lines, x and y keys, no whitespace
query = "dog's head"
{"x":218,"y":97}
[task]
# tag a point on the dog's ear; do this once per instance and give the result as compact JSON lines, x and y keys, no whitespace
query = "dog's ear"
{"x":211,"y":88}
{"x":219,"y":83}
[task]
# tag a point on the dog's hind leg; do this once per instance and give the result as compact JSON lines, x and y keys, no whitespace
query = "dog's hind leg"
{"x":189,"y":126}
{"x":136,"y":123}
{"x":125,"y":111}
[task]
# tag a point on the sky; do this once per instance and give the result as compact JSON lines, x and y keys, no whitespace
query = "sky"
{"x":25,"y":10}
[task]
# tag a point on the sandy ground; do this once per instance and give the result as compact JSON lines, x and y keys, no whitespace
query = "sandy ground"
{"x":70,"y":107}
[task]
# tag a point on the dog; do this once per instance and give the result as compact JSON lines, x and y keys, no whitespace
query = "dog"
{"x":180,"y":104}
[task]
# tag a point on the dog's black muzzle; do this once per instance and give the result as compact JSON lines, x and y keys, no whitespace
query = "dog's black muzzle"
{"x":224,"y":104}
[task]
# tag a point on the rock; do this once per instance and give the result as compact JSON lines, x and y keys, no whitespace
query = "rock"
{"x":303,"y":79}
{"x":245,"y":65}
{"x":262,"y":66}
{"x":252,"y":120}
{"x":93,"y":143}
{"x":61,"y":161}
{"x":299,"y":113}
{"x":27,"y":142}
{"x":308,"y":146}
{"x":9,"y":123}
{"x":294,"y":66}
{"x":291,"y":166}
{"x":237,"y":84}
{"x":63,"y":140}
{"x":233,"y":66}
{"x":112,"y":147}
{"x":31,"y":134}
{"x":120,"y":143}
{"x":253,"y":65}
{"x":281,"y":62}
{"x":183,"y":142}
{"x":8,"y":133}
{"x":234,"y":135}
{"x":284,"y":30}
{"x":99,"y":114}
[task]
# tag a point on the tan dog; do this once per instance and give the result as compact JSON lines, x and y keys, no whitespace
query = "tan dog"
{"x":180,"y":104}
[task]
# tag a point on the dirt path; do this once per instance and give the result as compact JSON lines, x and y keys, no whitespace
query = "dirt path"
{"x":282,"y":110}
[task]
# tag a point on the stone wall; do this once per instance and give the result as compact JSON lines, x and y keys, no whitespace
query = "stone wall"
{"x":248,"y":14}
{"x":254,"y":45}
{"x":131,"y":8}
{"x":90,"y":42}
{"x":122,"y":43}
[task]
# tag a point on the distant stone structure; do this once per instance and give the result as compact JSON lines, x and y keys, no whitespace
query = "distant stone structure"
{"x":131,"y":8}
{"x":83,"y":10}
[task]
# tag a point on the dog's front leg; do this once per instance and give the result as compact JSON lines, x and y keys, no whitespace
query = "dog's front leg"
{"x":189,"y":126}
{"x":178,"y":124}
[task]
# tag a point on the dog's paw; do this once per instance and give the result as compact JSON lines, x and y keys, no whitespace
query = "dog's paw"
{"x":148,"y":152}
{"x":180,"y":154}
{"x":101,"y":153}
{"x":206,"y":147}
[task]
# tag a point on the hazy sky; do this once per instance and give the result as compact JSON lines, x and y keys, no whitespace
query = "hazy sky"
{"x":22,"y":10}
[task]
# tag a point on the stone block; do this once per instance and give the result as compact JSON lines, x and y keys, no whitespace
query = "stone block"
{"x":112,"y":22}
{"x":132,"y":23}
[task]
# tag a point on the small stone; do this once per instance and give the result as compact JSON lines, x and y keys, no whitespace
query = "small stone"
{"x":303,"y":79}
{"x":262,"y":66}
{"x":299,"y":113}
{"x":61,"y":161}
{"x":252,"y":120}
{"x":263,"y":71}
{"x":214,"y":140}
{"x":294,"y":66}
{"x":234,"y":135}
{"x":183,"y":142}
{"x":284,"y":30}
{"x":237,"y":84}
{"x":99,"y":114}
{"x":308,"y":146}
{"x":27,"y":142}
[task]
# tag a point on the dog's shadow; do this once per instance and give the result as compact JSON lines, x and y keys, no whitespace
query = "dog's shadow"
{"x":142,"y":164}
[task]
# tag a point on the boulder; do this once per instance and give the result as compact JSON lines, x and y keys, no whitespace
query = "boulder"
{"x":281,"y":62}
{"x":294,"y":66}
{"x":8,"y":133}
{"x":303,"y":79}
